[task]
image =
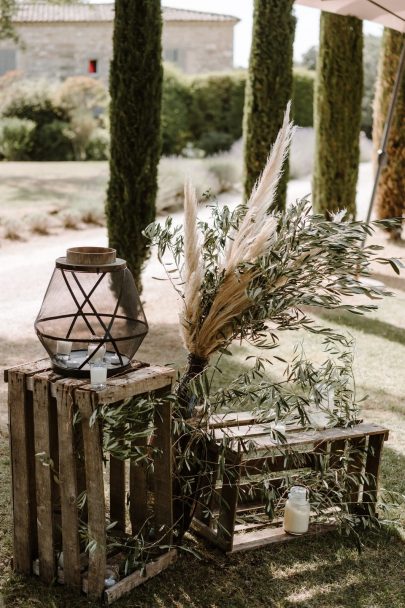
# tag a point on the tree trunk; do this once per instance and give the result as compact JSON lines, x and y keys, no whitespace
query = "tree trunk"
{"x":268,"y":87}
{"x":339,"y":89}
{"x":390,"y":200}
{"x":136,"y":90}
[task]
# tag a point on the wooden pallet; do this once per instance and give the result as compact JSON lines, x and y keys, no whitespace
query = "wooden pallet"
{"x":231,"y":514}
{"x":54,"y":461}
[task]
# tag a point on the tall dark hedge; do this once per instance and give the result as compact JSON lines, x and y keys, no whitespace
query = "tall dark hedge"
{"x":338,"y":95}
{"x":269,"y":86}
{"x":136,"y":91}
{"x":391,"y":192}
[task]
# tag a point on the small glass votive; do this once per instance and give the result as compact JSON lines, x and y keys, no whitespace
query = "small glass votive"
{"x":98,"y":375}
{"x":63,"y":349}
{"x":95,"y":352}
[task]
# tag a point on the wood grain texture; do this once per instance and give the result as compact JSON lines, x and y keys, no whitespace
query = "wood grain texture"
{"x":228,"y":505}
{"x":43,"y":476}
{"x":138,"y":490}
{"x":22,"y":469}
{"x":373,"y":464}
{"x":138,"y":578}
{"x":68,"y":486}
{"x":95,"y":494}
{"x":117,"y":493}
{"x":163,"y":472}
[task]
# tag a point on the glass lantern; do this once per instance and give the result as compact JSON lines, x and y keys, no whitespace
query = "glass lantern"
{"x":91,"y":313}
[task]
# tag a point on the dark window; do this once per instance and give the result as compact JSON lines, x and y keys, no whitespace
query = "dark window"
{"x":92,"y":66}
{"x":8,"y":60}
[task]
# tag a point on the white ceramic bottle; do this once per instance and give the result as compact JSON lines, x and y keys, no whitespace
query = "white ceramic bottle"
{"x":297,"y":509}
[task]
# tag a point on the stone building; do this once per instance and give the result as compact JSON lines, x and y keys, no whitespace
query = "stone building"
{"x":72,"y":40}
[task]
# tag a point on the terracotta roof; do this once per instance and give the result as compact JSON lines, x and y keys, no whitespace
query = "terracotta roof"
{"x":43,"y":12}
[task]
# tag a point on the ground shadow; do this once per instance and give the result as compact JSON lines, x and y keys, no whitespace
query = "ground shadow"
{"x":363,"y":323}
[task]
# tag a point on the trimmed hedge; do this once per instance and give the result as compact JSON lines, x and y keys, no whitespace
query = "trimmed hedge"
{"x":207,"y":110}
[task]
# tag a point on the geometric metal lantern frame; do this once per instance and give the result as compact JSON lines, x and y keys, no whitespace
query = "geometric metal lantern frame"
{"x":91,"y":311}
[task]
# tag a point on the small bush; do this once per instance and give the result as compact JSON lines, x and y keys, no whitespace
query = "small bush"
{"x":84,"y":94}
{"x":40,"y":224}
{"x":13,"y":230}
{"x":213,"y":142}
{"x":70,"y":220}
{"x":52,"y":142}
{"x":303,"y":97}
{"x":227,"y":172}
{"x":218,"y":101}
{"x":33,"y":100}
{"x":80,"y":131}
{"x":16,"y":138}
{"x":98,"y":146}
{"x":175,"y":113}
{"x":93,"y":215}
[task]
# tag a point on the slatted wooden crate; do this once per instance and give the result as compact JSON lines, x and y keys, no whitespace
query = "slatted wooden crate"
{"x":54,"y":461}
{"x":231,"y":511}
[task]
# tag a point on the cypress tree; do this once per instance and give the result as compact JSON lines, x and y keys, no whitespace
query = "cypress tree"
{"x":390,"y":200}
{"x":338,"y":95}
{"x":136,"y":91}
{"x":268,"y":87}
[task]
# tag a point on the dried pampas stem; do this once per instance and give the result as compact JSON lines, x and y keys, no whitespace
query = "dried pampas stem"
{"x":192,"y":269}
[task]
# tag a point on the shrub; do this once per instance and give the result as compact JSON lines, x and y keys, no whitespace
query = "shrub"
{"x":217,"y":104}
{"x":16,"y":138}
{"x":84,"y":94}
{"x":51,"y":141}
{"x":80,"y":131}
{"x":213,"y":142}
{"x":175,"y":114}
{"x":33,"y":100}
{"x":93,"y":215}
{"x":40,"y":224}
{"x":13,"y":230}
{"x":303,"y":97}
{"x":70,"y":220}
{"x":227,"y":172}
{"x":98,"y":146}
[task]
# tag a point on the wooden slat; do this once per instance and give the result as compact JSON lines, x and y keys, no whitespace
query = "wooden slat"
{"x":22,"y":471}
{"x":28,"y":368}
{"x":163,"y":472}
{"x":68,"y":486}
{"x":228,"y":504}
{"x":137,"y":578}
{"x":356,"y":455}
{"x":308,"y":437}
{"x":43,"y":476}
{"x":337,"y":452}
{"x":289,"y":461}
{"x":231,"y":419}
{"x":250,"y":431}
{"x":138,"y":490}
{"x":137,"y":382}
{"x":373,"y":463}
{"x":117,"y":493}
{"x":95,"y":494}
{"x":259,"y":538}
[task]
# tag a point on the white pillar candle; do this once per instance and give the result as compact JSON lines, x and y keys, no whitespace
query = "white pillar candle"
{"x":98,"y":376}
{"x":296,"y":513}
{"x":63,"y":347}
{"x":98,"y":355}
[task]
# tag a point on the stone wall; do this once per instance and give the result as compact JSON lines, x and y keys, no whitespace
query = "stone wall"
{"x":59,"y":50}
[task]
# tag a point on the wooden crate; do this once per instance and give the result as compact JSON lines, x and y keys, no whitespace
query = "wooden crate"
{"x":231,"y":512}
{"x":54,"y":461}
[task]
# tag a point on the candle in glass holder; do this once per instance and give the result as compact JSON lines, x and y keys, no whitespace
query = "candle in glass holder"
{"x":95,"y":356}
{"x":297,"y":509}
{"x":63,"y":349}
{"x":98,"y":375}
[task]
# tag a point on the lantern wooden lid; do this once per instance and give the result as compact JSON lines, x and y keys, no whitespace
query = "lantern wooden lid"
{"x":91,"y":259}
